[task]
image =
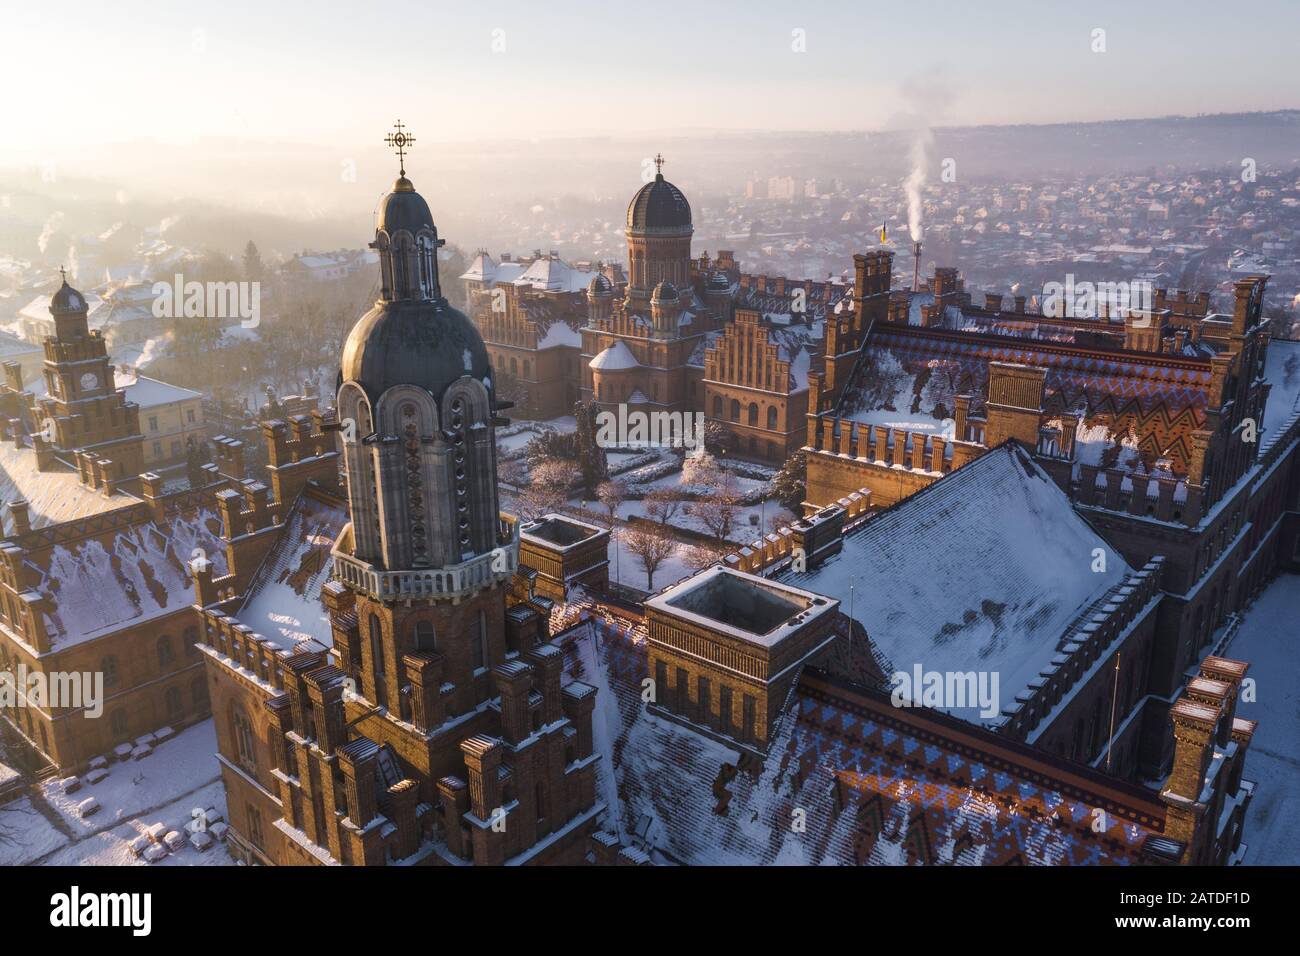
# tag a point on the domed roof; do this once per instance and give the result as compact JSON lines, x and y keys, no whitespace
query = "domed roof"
{"x":67,"y":299}
{"x":718,"y":282}
{"x":659,"y":206}
{"x":413,"y":342}
{"x":600,"y":285}
{"x":665,"y":291}
{"x":404,"y":208}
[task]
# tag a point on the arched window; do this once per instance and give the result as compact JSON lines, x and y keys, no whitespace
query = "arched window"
{"x":771,"y":417}
{"x":753,"y":413}
{"x":109,"y":666}
{"x":165,"y":652}
{"x":199,"y":692}
{"x":735,"y":410}
{"x":425,"y":639}
{"x":117,"y":723}
{"x":528,"y":369}
{"x":514,"y":366}
{"x":717,"y":406}
{"x":172,"y":699}
{"x":190,"y":638}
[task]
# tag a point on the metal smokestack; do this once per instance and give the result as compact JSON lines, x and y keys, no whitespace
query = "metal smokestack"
{"x":916,"y":268}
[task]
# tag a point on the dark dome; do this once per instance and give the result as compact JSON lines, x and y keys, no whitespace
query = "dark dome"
{"x":600,"y":285}
{"x":67,"y":299}
{"x":659,"y":206}
{"x":404,"y":208}
{"x":413,"y":342}
{"x":718,"y":282}
{"x":664,"y":292}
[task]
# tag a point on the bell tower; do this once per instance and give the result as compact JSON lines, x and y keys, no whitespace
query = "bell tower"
{"x":427,"y":558}
{"x":84,"y":417}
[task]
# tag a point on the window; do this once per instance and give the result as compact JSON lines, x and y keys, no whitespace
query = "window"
{"x":165,"y":652}
{"x":479,"y":650}
{"x":771,"y":417}
{"x":153,"y":423}
{"x":199,"y":692}
{"x":173,"y":701}
{"x":753,"y":413}
{"x":190,"y":639}
{"x":157,"y":449}
{"x":717,"y":406}
{"x":243,"y":733}
{"x":425,"y":639}
{"x":109,"y":666}
{"x":735,"y":410}
{"x":189,"y":415}
{"x":117,"y":723}
{"x":377,"y":644}
{"x":254,"y":826}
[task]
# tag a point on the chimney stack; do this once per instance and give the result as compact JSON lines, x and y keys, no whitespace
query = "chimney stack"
{"x":916,"y":266}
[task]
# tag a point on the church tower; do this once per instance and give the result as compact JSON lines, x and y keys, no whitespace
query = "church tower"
{"x":658,"y":234}
{"x":427,"y":554}
{"x":84,"y":417}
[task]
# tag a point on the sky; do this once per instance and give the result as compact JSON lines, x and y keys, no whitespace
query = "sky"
{"x":83,"y":72}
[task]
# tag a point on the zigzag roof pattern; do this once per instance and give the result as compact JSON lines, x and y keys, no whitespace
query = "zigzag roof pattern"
{"x":875,"y":784}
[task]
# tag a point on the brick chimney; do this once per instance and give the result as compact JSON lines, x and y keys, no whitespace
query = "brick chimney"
{"x":19,"y":518}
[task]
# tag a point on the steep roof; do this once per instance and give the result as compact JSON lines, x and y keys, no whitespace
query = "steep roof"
{"x":910,"y":379}
{"x":984,"y":571}
{"x":283,"y":602}
{"x":876,"y":784}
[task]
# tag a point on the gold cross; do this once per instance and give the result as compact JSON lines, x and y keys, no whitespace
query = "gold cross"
{"x":400,"y":141}
{"x":659,"y":163}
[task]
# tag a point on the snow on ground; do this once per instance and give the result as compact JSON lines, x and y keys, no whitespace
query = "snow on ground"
{"x":1267,"y":640}
{"x":625,"y":567}
{"x":181,"y":775}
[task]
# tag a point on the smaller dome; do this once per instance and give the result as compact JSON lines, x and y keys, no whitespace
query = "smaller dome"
{"x":664,"y":292}
{"x":718,"y":282}
{"x":600,"y":286}
{"x":614,"y":359}
{"x":404,"y":209}
{"x":67,"y":299}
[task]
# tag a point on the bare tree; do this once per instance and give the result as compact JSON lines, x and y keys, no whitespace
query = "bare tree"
{"x":662,"y":504}
{"x":611,"y":495}
{"x":547,"y":488}
{"x":652,"y":545}
{"x":717,"y":512}
{"x":697,"y":557}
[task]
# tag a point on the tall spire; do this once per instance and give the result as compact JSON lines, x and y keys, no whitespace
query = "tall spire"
{"x":401,"y":141}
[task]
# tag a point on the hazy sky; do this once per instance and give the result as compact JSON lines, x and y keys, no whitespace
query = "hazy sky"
{"x":80,"y":72}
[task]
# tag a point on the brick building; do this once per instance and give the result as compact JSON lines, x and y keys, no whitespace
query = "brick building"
{"x":529,"y":311}
{"x":94,"y":567}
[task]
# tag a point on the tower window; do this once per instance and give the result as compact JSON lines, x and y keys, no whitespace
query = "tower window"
{"x":425,"y":639}
{"x":479,"y":649}
{"x":377,"y":644}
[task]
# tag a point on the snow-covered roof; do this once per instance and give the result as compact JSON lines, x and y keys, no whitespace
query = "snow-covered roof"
{"x":559,"y":333}
{"x":283,"y":603}
{"x":99,"y":585}
{"x":617,"y":356}
{"x":1282,"y":371}
{"x":150,"y":392}
{"x":52,"y":496}
{"x":984,"y":571}
{"x":878,"y":784}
